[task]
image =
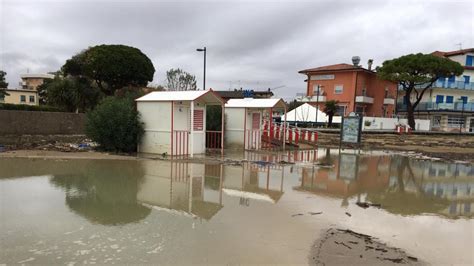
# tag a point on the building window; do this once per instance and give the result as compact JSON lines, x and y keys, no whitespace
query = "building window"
{"x":451,"y":79}
{"x":317,"y":88}
{"x":455,"y":121}
{"x":464,"y":99}
{"x":341,"y":110}
{"x":437,"y":121}
{"x":23,"y":98}
{"x":469,"y":60}
{"x":449,"y":99}
{"x":32,"y":99}
{"x":467,"y":79}
{"x":439,"y":98}
{"x":338,"y":89}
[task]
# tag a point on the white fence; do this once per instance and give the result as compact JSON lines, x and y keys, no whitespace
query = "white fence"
{"x":384,"y":123}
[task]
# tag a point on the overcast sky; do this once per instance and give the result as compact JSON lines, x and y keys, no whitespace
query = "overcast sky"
{"x":250,"y":45}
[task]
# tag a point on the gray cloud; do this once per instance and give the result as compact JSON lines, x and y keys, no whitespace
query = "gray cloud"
{"x":250,"y":44}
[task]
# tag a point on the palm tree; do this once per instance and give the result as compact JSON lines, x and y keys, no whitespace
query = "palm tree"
{"x":330,"y":108}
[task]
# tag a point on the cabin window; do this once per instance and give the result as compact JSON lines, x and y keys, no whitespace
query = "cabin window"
{"x":255,"y":121}
{"x":198,"y":120}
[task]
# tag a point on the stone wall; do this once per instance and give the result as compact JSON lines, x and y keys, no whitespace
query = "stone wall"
{"x":40,"y":123}
{"x":393,"y":141}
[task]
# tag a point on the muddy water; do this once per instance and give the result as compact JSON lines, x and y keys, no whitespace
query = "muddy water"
{"x":96,"y":212}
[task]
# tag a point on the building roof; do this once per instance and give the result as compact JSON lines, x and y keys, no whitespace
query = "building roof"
{"x":451,"y":53}
{"x":22,"y":90}
{"x":207,"y":96}
{"x":336,"y":67}
{"x":239,"y":94}
{"x":42,"y":76}
{"x":255,"y":103}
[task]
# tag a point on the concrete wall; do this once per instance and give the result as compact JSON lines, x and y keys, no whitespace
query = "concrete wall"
{"x":383,"y":123}
{"x":41,"y":123}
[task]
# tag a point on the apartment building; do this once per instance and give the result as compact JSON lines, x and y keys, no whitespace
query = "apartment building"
{"x":449,"y":104}
{"x":32,"y":81}
{"x":357,"y":89}
{"x":27,"y":92}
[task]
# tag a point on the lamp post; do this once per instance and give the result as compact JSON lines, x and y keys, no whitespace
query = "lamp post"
{"x":204,"y":80}
{"x":317,"y":103}
{"x":462,"y":115}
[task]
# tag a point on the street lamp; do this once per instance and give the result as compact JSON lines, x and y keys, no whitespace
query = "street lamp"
{"x":317,"y":103}
{"x":462,"y":114}
{"x":204,"y":80}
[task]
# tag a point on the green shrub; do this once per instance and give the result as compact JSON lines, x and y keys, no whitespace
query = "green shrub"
{"x":115,"y":125}
{"x":25,"y":107}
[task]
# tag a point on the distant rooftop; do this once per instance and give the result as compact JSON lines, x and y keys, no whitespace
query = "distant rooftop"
{"x":451,"y":53}
{"x":240,"y":94}
{"x":336,"y":67}
{"x":43,"y":76}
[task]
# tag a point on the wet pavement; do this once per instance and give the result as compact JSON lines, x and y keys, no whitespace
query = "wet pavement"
{"x":255,"y":211}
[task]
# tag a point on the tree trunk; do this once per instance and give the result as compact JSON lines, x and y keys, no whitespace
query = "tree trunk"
{"x":330,"y":121}
{"x":411,"y":117}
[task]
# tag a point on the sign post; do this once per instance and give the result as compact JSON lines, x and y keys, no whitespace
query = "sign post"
{"x":351,"y":129}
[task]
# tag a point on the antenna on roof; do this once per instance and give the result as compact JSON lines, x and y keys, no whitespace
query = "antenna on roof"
{"x":460,"y":45}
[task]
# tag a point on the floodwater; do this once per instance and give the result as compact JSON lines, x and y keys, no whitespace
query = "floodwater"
{"x":147,"y":211}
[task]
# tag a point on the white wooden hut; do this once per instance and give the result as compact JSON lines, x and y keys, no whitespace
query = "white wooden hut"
{"x":249,"y":123}
{"x":168,"y":116}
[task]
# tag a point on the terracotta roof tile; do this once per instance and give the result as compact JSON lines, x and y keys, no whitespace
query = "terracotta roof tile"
{"x":457,"y":52}
{"x":329,"y":68}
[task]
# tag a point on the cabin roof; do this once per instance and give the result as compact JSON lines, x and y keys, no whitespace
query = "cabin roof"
{"x":208,"y":96}
{"x":255,"y":103}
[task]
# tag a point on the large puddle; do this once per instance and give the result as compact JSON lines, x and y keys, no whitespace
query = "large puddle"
{"x":146,"y":211}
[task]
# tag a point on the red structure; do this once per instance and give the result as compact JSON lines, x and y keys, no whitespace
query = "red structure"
{"x":357,"y":89}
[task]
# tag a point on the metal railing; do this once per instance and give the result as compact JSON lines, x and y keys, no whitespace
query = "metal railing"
{"x":430,"y":106}
{"x":461,"y":85}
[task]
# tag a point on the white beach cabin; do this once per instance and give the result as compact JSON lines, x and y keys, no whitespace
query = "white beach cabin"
{"x":168,"y":116}
{"x":249,"y":123}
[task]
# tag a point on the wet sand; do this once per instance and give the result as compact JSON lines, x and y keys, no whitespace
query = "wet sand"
{"x":42,"y":154}
{"x":346,"y":247}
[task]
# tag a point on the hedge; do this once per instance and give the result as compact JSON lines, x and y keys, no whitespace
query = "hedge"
{"x":24,"y":107}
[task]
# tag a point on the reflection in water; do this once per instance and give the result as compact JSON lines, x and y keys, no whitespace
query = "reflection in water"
{"x":104,"y":193}
{"x":399,"y":184}
{"x":197,"y":189}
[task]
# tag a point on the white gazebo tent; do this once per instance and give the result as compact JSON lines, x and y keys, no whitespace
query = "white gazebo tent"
{"x":245,"y":120}
{"x":168,"y":116}
{"x":307,"y":113}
